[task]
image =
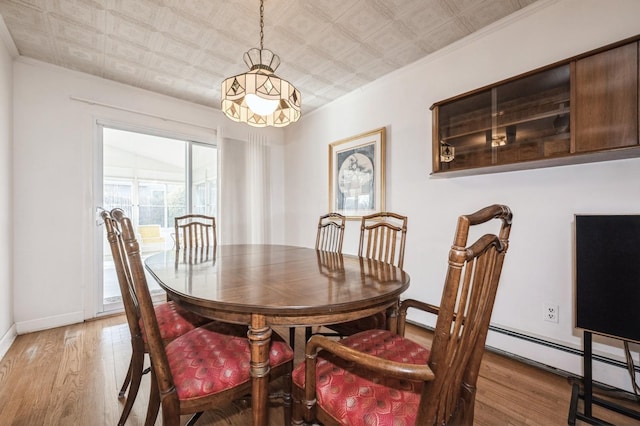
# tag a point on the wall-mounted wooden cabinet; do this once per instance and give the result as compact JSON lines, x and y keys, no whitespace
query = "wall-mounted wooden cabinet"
{"x":579,"y":110}
{"x":606,"y":99}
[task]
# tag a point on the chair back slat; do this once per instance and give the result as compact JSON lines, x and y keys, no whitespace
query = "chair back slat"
{"x":463,"y":321}
{"x":195,"y":231}
{"x":330,"y":232}
{"x":382,"y":238}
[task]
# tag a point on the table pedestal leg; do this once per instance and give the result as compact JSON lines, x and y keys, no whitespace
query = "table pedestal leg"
{"x":260,"y":340}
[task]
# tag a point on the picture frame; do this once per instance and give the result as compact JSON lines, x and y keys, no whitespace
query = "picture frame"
{"x":357,"y":174}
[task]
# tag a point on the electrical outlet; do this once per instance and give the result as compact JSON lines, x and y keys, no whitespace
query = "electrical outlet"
{"x":550,"y":312}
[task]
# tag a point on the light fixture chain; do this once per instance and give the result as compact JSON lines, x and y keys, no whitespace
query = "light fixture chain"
{"x":261,"y":24}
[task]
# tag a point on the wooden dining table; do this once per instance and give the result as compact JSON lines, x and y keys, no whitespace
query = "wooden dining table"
{"x":276,"y":285}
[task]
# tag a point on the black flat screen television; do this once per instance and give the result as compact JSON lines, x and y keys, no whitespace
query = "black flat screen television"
{"x":608,"y":275}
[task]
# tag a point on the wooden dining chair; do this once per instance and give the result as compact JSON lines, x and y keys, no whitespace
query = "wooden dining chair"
{"x":378,"y":377}
{"x":201,"y":369}
{"x":195,"y":231}
{"x":329,"y":239}
{"x":382,"y":238}
{"x":330,"y":232}
{"x":173,"y":320}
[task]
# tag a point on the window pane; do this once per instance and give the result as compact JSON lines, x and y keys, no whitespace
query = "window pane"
{"x":118,"y":194}
{"x":151,"y":204}
{"x":146,"y":176}
{"x":205,"y":179}
{"x":175,"y":202}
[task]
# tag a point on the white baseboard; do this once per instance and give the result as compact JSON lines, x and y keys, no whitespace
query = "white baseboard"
{"x":30,"y":326}
{"x":7,"y":340}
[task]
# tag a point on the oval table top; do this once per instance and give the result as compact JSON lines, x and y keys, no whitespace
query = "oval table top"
{"x":276,"y":280}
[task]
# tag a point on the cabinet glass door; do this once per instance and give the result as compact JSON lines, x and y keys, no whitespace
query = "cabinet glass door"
{"x":522,"y":120}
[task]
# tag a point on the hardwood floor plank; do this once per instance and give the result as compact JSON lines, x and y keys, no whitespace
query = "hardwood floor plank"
{"x":72,"y":375}
{"x":67,"y":387}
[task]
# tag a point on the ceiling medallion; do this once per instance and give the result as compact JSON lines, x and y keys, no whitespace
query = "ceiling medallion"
{"x":259,"y":97}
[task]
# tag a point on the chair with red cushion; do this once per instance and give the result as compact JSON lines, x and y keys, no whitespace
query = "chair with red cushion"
{"x":378,"y":377}
{"x":203,"y":368}
{"x":330,"y":232}
{"x":195,"y":231}
{"x":382,"y":238}
{"x":329,"y":239}
{"x":173,"y":321}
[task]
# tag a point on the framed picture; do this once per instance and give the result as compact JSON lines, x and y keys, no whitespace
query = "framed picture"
{"x":356,"y":174}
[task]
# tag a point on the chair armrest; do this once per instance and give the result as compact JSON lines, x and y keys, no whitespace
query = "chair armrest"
{"x":399,"y":370}
{"x":411,"y":303}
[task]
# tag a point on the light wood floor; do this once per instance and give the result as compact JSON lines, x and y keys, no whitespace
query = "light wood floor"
{"x":71,"y":376}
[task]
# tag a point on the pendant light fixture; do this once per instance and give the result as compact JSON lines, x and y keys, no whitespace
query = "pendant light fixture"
{"x":259,"y":97}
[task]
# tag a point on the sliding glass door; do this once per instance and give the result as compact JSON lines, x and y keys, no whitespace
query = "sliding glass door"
{"x":153,"y":179}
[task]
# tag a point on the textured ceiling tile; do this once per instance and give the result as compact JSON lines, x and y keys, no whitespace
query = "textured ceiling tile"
{"x":72,"y":33}
{"x":335,"y":42}
{"x":358,"y":58}
{"x":376,"y":69}
{"x":125,"y":50}
{"x":122,"y":70}
{"x":296,"y":20}
{"x":182,"y":27}
{"x":387,"y":40}
{"x":36,"y":4}
{"x":169,"y":66}
{"x":353,"y":82}
{"x":479,"y":16}
{"x":443,"y":35}
{"x":402,"y":7}
{"x":237,"y":25}
{"x":215,"y":67}
{"x":16,"y":16}
{"x":335,"y":73}
{"x":221,"y":46}
{"x":154,"y":80}
{"x":423,"y":19}
{"x":120,"y":26}
{"x":175,"y":49}
{"x":404,"y":55}
{"x":295,"y":75}
{"x":204,"y":79}
{"x":362,"y":21}
{"x":302,"y":29}
{"x":185,"y":48}
{"x":332,"y":10}
{"x":144,"y":12}
{"x":331,"y":92}
{"x":81,"y":58}
{"x":313,"y":83}
{"x":200,"y":10}
{"x":35,"y":44}
{"x":309,"y":60}
{"x":287,"y":46}
{"x":89,"y":13}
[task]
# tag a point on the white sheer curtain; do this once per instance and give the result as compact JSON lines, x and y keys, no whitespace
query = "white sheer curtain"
{"x":245,"y":201}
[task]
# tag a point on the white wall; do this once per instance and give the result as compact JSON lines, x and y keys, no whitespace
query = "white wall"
{"x":538,"y":267}
{"x":7,"y":329}
{"x":54,"y":169}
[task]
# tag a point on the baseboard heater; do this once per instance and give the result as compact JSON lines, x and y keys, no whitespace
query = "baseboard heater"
{"x":546,"y":343}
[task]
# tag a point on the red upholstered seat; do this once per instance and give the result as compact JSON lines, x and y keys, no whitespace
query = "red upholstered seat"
{"x":197,"y":371}
{"x":354,"y":396}
{"x":204,"y":362}
{"x":174,"y":321}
